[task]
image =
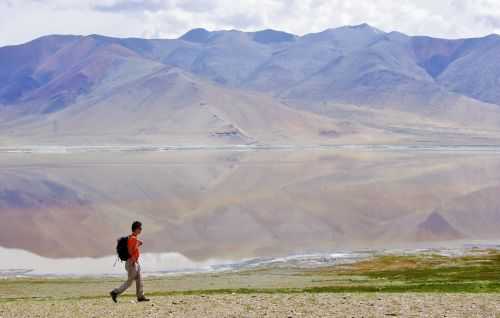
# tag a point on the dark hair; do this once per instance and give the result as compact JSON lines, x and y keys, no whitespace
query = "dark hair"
{"x":136,"y":225}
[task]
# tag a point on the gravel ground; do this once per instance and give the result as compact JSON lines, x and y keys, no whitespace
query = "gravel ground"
{"x":267,"y":305}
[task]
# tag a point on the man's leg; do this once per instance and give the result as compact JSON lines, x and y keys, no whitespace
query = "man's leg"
{"x":131,"y":275}
{"x":139,"y":283}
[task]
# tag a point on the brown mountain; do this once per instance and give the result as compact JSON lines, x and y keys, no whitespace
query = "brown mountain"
{"x":354,"y":84}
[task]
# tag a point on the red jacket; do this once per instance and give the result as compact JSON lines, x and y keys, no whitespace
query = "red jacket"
{"x":133,"y":247}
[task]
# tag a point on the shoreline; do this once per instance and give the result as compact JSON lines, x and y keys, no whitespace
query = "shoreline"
{"x":176,"y":264}
{"x":474,"y":270}
{"x":398,"y":286}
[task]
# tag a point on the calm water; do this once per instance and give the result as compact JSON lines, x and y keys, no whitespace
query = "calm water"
{"x":207,"y":209}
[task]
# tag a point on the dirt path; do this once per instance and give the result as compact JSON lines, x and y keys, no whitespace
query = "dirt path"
{"x":267,"y":305}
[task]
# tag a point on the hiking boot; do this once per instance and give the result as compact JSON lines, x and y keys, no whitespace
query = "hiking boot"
{"x":113,"y":296}
{"x":142,"y":299}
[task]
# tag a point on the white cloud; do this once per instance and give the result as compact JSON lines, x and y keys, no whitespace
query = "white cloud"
{"x":23,"y":20}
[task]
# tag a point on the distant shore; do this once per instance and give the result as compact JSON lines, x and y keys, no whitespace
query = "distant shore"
{"x":61,"y":149}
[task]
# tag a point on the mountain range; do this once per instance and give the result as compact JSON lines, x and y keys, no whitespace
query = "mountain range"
{"x":353,"y":84}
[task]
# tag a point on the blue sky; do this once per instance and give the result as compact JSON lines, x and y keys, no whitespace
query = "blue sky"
{"x":23,"y":20}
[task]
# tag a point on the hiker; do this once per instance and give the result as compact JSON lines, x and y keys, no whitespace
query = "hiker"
{"x":132,"y":263}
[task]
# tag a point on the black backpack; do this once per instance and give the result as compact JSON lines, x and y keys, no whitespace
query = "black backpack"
{"x":122,"y":248}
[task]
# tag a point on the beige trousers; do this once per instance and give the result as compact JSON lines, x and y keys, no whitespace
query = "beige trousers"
{"x":133,"y":273}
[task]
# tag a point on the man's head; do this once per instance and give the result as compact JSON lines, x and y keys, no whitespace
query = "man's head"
{"x":137,"y":227}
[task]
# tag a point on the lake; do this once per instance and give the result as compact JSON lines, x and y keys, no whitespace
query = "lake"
{"x":204,"y":208}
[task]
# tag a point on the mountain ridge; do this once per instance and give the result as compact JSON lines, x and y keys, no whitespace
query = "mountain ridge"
{"x":453,"y":81}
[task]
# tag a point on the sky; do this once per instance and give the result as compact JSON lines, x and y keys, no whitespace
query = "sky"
{"x":24,"y":20}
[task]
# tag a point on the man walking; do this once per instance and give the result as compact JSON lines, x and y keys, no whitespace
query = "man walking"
{"x":132,"y":265}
